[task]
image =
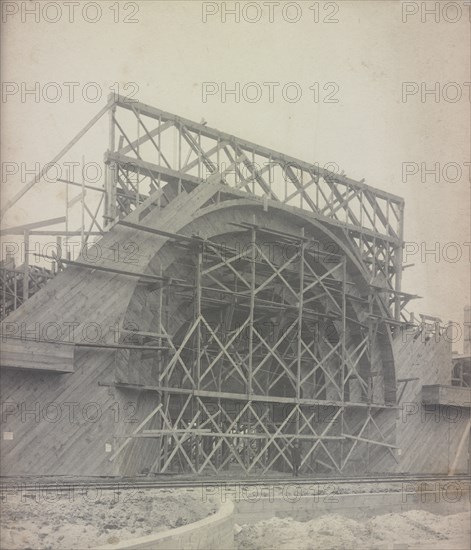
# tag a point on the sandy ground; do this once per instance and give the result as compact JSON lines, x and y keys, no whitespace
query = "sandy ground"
{"x":78,"y":521}
{"x":415,"y":529}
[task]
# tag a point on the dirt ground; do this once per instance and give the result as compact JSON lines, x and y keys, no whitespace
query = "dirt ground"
{"x":79,"y":520}
{"x":415,"y":529}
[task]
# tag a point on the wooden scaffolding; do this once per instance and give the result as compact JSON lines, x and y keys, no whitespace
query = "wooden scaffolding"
{"x":278,"y":345}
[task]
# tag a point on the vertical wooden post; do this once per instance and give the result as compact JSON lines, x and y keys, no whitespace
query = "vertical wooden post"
{"x":247,"y":441}
{"x":111,"y":174}
{"x":179,"y":146}
{"x":344,"y":323}
{"x":252,"y":307}
{"x":370,"y":345}
{"x":300,"y":323}
{"x":251,"y":331}
{"x":82,"y":203}
{"x":15,"y":291}
{"x":166,"y":395}
{"x":373,"y":264}
{"x":159,"y":160}
{"x":344,"y":354}
{"x":158,"y":464}
{"x":398,"y":259}
{"x":26,"y":266}
{"x":367,"y":444}
{"x":56,"y":265}
{"x":138,"y":156}
{"x":361,"y":210}
{"x":4,"y":288}
{"x":199,"y":261}
{"x":254,"y":169}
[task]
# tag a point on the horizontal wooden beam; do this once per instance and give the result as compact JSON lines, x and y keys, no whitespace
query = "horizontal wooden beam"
{"x":370,"y":441}
{"x":156,"y":171}
{"x":144,"y":334}
{"x":175,"y":431}
{"x":13,"y":340}
{"x":160,"y":232}
{"x":28,"y":226}
{"x":119,"y":346}
{"x":53,"y":233}
{"x":209,"y":433}
{"x":103,"y":268}
{"x":252,"y":397}
{"x":83,"y":185}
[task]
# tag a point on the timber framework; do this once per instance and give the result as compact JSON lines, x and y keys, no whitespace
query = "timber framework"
{"x":226,"y":301}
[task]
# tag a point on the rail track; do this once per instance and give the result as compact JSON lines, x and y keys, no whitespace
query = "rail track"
{"x":112,"y":484}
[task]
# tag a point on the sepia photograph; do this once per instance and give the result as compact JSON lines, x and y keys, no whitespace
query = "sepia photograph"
{"x":235,"y":299}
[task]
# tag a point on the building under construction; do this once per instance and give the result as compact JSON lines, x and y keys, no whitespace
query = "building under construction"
{"x":226,"y":301}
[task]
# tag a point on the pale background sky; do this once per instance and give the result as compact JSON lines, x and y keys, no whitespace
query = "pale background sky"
{"x":170,"y":52}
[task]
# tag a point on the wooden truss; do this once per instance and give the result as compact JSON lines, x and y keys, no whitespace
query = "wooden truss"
{"x":183,"y":153}
{"x":150,"y":149}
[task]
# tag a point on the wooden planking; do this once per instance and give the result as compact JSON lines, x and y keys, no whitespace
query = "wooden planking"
{"x":82,"y":296}
{"x":50,"y":419}
{"x":427,"y":434}
{"x":48,"y":356}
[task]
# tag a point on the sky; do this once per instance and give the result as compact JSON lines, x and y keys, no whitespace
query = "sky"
{"x":391,"y":103}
